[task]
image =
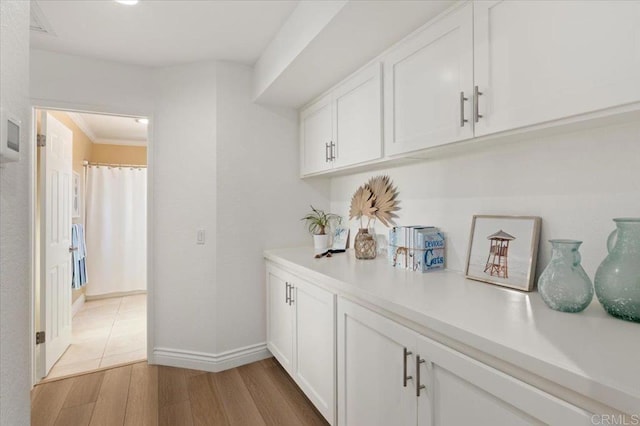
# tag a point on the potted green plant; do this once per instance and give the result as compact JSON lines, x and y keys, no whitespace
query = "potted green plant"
{"x":318,"y":223}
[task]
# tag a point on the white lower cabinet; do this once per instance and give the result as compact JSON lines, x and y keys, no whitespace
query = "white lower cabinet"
{"x":389,"y":374}
{"x":301,"y":336}
{"x":374,"y":384}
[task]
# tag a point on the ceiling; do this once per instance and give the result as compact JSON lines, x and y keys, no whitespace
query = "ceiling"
{"x":159,"y":33}
{"x":111,"y":129}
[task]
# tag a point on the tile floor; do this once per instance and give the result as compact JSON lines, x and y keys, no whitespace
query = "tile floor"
{"x":105,"y":332}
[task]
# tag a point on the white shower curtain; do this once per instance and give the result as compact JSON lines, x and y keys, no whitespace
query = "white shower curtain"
{"x":116,"y":230}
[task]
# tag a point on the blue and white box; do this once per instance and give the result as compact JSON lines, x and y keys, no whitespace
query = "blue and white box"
{"x":416,"y":248}
{"x":430,"y":249}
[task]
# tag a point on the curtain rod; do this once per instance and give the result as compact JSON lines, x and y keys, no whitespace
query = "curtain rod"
{"x":86,"y":163}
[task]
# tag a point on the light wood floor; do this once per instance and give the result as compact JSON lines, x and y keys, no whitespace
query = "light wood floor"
{"x":139,"y":394}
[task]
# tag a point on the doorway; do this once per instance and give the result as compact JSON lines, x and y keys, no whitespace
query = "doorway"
{"x":90,"y":252}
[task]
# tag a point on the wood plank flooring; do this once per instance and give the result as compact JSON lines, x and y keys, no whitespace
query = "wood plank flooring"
{"x":139,"y":394}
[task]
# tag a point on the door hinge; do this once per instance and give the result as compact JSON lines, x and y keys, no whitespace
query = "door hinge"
{"x":40,"y":337}
{"x":42,"y":140}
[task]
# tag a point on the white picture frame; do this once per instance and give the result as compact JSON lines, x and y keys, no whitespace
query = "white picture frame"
{"x":503,"y":250}
{"x":76,"y":196}
{"x":340,"y":238}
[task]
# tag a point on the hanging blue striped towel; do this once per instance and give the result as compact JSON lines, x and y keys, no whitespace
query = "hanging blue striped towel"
{"x":79,"y":257}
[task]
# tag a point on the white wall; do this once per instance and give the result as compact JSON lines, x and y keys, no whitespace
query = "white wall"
{"x":577,"y":182}
{"x":14,"y":220}
{"x":219,"y":163}
{"x":260,"y":202}
{"x":185,"y":187}
{"x":59,"y":80}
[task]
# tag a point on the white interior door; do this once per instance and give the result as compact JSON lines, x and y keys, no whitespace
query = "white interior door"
{"x":55,"y":231}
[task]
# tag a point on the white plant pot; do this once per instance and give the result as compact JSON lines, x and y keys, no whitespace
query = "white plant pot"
{"x":320,"y":243}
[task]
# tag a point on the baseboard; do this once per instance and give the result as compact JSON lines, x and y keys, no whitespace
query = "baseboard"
{"x":209,"y":362}
{"x":77,"y":305}
{"x":116,"y":294}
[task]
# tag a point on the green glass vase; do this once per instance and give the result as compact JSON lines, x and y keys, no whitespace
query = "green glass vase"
{"x":564,"y":285}
{"x":617,"y":280}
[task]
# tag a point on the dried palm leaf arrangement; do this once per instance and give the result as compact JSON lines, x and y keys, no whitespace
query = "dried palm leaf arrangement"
{"x":376,"y":199}
{"x":384,"y":199}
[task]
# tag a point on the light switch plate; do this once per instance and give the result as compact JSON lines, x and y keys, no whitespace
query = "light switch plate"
{"x":200,"y":236}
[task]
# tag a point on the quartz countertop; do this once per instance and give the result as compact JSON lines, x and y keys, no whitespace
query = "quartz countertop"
{"x":590,"y":352}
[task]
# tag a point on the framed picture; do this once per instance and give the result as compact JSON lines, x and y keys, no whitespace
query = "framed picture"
{"x":76,"y":195}
{"x":340,"y":239}
{"x":503,"y":250}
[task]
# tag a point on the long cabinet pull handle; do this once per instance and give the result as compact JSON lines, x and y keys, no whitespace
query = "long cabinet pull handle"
{"x":462,"y":119}
{"x":418,"y":385}
{"x":286,"y":294}
{"x":476,"y":95}
{"x":405,"y":378}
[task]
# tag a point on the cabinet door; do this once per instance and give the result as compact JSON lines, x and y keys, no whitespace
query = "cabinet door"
{"x":371,"y":370}
{"x":315,"y":346}
{"x":358,"y":122}
{"x":539,"y":61}
{"x":453,"y":380}
{"x":316,"y":136}
{"x":279,"y":318}
{"x":423,"y":81}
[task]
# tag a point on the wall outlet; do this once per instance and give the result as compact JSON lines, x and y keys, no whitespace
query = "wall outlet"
{"x":200,"y":236}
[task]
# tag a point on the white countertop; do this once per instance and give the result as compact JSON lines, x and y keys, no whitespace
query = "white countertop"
{"x":590,"y":352}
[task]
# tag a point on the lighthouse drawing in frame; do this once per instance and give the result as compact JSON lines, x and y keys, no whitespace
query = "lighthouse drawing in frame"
{"x":510,"y":257}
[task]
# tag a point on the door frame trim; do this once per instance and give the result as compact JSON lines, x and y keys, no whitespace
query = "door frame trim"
{"x":45,"y":104}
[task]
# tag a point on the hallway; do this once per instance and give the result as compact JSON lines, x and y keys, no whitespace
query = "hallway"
{"x":105,"y":332}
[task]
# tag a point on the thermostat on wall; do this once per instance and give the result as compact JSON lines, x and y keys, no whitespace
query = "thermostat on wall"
{"x":10,"y":128}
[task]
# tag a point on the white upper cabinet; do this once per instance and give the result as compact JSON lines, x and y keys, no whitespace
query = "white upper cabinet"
{"x":358,"y":121}
{"x":343,"y":128}
{"x":540,"y":61}
{"x":428,"y":80}
{"x":316,"y":136}
{"x":481,"y":68}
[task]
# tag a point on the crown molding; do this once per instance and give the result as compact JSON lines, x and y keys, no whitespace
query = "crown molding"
{"x":77,"y":118}
{"x":127,"y":142}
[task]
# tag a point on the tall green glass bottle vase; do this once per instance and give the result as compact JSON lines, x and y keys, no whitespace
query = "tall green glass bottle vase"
{"x":617,"y":280}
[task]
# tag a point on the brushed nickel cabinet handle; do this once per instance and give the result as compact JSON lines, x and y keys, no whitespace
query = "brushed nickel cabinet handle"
{"x":405,"y":378}
{"x":286,"y":294}
{"x":462,"y":119}
{"x":476,"y":94}
{"x":418,"y":385}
